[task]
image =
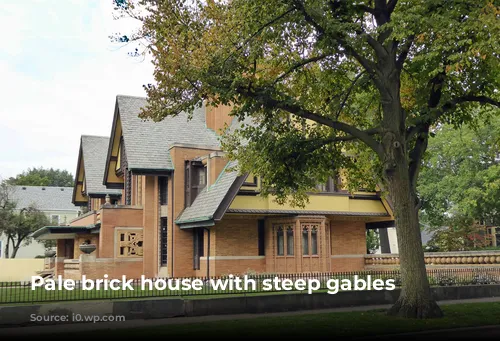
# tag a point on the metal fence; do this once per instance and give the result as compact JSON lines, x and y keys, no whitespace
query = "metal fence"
{"x":54,"y":290}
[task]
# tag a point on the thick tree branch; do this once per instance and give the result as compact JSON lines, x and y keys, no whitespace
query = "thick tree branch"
{"x":405,"y":49}
{"x":368,"y":65}
{"x":260,"y":29}
{"x":391,"y":5}
{"x":269,"y":102}
{"x":434,"y":115}
{"x":300,"y":6}
{"x":348,"y":138}
{"x":300,"y":64}
{"x":346,"y":97}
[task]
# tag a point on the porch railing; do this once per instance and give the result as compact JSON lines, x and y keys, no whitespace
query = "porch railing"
{"x":460,"y":258}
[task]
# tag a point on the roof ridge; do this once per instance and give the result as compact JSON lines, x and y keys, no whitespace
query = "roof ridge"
{"x":42,"y":186}
{"x":131,"y":96}
{"x":87,"y":135}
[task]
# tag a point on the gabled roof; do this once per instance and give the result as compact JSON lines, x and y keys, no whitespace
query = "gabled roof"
{"x":44,"y":198}
{"x":211,"y":204}
{"x":147,"y":142}
{"x":94,"y":151}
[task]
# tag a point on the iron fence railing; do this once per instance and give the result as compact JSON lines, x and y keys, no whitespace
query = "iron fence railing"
{"x":250,"y":284}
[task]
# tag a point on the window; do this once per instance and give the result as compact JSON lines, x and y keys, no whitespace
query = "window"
{"x":261,"y":237}
{"x":314,"y":241}
{"x":195,"y":180}
{"x":163,"y":185}
{"x":128,"y":187}
{"x":280,"y":238}
{"x":130,"y":244}
{"x":310,"y":240}
{"x":332,"y":185}
{"x":54,"y":219}
{"x":163,"y":242}
{"x":198,"y":241}
{"x":305,"y":241}
{"x":289,"y":241}
{"x":284,"y":239}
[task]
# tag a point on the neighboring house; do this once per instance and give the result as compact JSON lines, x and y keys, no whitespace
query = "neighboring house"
{"x":55,"y":202}
{"x":185,"y":211}
{"x":388,"y":240}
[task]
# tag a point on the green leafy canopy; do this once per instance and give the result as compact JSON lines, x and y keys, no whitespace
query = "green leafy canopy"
{"x":460,"y":179}
{"x":327,"y":84}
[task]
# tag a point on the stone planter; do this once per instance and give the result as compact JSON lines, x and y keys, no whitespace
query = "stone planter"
{"x":87,"y":248}
{"x":50,"y":253}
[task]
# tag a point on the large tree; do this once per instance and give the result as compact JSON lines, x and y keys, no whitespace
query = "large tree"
{"x":43,"y":177}
{"x":330,"y":84}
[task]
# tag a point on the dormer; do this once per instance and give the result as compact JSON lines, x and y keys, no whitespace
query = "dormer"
{"x":89,"y":172}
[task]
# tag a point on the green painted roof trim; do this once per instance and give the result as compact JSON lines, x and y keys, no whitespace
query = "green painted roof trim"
{"x":197,"y":219}
{"x":61,"y":229}
{"x":204,"y":223}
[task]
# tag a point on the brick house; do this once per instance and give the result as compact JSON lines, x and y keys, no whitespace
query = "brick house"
{"x":164,"y":201}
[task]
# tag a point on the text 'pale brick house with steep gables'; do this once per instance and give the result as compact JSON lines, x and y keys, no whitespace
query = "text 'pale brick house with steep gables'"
{"x":164,"y":201}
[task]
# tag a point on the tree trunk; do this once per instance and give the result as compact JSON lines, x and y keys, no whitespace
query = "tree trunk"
{"x":16,"y":247}
{"x":6,"y":252}
{"x":415,"y":300}
{"x":14,"y":251}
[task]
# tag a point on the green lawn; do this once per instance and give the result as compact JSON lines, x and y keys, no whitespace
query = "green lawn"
{"x":348,"y":324}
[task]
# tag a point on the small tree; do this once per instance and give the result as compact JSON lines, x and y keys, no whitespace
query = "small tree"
{"x":462,"y":234}
{"x":372,"y":241}
{"x":17,"y":225}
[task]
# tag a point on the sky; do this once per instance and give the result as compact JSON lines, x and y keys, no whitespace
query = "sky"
{"x":59,"y":77}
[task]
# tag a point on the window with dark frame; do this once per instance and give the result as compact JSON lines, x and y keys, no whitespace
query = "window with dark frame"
{"x":305,"y":241}
{"x":198,"y":241}
{"x":285,"y":240}
{"x":280,"y":238}
{"x":195,"y":180}
{"x":314,"y":241}
{"x":289,"y":241}
{"x":261,"y":237}
{"x":163,"y":187}
{"x":309,"y":240}
{"x":164,"y":241}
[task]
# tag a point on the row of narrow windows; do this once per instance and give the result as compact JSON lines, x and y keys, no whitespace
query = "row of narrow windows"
{"x":285,"y":237}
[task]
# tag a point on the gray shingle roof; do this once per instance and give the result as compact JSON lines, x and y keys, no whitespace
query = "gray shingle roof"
{"x":44,"y":198}
{"x":206,"y":203}
{"x":147,"y":142}
{"x":95,"y":150}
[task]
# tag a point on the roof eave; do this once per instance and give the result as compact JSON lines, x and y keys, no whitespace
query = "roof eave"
{"x":110,"y":145}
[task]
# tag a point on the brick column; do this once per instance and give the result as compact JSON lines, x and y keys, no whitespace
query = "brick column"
{"x":150,"y":227}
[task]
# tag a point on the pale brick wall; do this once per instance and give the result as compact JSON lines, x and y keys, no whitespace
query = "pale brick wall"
{"x":348,"y":238}
{"x":237,"y":237}
{"x":114,"y":268}
{"x":116,"y":217}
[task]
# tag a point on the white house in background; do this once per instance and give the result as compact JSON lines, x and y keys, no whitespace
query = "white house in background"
{"x":388,"y":240}
{"x":55,"y":202}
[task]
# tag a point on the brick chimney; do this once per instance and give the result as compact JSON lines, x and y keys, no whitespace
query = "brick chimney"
{"x":215,"y":163}
{"x":217,"y":117}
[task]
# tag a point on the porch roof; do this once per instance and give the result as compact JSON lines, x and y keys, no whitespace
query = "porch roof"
{"x":63,"y":232}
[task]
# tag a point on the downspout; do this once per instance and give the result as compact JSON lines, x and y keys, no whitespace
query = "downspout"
{"x":208,"y":251}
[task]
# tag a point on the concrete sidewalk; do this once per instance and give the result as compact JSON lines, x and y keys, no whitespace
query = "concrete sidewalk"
{"x":81,"y":327}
